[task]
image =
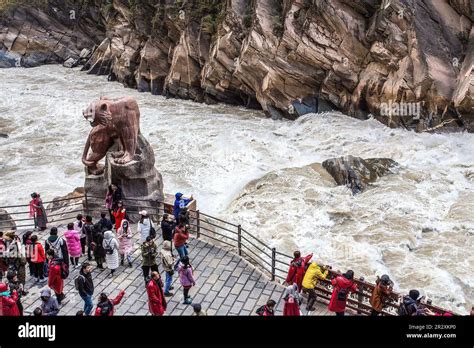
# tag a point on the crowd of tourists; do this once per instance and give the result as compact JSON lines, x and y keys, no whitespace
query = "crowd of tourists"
{"x":108,"y":242}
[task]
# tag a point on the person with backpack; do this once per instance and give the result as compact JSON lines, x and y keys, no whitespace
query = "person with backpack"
{"x":104,"y":223}
{"x":85,"y":286}
{"x":73,"y":241}
{"x":156,"y":298}
{"x":15,"y":285}
{"x":145,"y":226}
{"x":78,"y":225}
{"x":342,"y":286}
{"x":313,"y":273}
{"x":267,"y":310}
{"x":186,"y":278}
{"x":88,"y":228}
{"x":124,"y":236}
{"x":38,"y":259}
{"x":111,"y":246}
{"x":58,"y":271}
{"x":380,"y":294}
{"x":119,"y":214}
{"x":410,"y":305}
{"x":297,"y":269}
{"x":181,"y":236}
{"x":167,"y":260}
{"x":57,"y":244}
{"x":292,"y":300}
{"x":49,"y":305}
{"x":149,"y":253}
{"x":8,"y":301}
{"x":105,"y":306}
{"x":97,"y":246}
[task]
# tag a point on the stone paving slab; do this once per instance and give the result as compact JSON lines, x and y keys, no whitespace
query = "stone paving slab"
{"x":226,"y":284}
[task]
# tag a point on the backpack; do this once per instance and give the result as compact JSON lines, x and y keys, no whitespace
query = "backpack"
{"x":105,"y":308}
{"x":64,"y":269}
{"x":152,"y":230}
{"x":76,"y":281}
{"x":56,"y":246}
{"x":260,"y":311}
{"x":108,"y":248}
{"x":342,"y":294}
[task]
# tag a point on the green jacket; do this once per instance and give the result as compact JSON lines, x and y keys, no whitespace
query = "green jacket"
{"x":149,"y":253}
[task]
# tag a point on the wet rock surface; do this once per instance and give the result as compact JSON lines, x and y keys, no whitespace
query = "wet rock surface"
{"x":6,"y":221}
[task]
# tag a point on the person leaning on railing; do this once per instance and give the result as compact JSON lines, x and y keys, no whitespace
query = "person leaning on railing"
{"x":313,"y":273}
{"x":380,"y":294}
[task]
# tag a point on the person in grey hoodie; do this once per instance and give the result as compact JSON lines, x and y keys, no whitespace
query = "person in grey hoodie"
{"x":49,"y":305}
{"x":167,"y":260}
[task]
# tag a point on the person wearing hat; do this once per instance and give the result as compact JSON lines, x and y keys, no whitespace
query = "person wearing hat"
{"x":198,"y":311}
{"x":380,"y":294}
{"x":410,"y":305}
{"x":179,"y":204}
{"x":37,"y":211}
{"x":144,"y":226}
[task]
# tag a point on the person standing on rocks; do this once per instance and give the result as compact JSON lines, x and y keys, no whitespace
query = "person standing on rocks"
{"x":179,"y":203}
{"x":37,"y":211}
{"x":144,"y":226}
{"x":167,"y":260}
{"x":181,"y":236}
{"x":105,"y":306}
{"x":186,"y":278}
{"x":119,"y":215}
{"x":49,"y":305}
{"x":313,"y":273}
{"x":380,"y":294}
{"x":297,"y":269}
{"x":156,"y":298}
{"x":73,"y":241}
{"x":38,"y":259}
{"x":111,"y":246}
{"x":292,"y":300}
{"x":55,"y":280}
{"x":149,"y":253}
{"x":124,"y":235}
{"x":85,"y":286}
{"x":57,"y":244}
{"x":342,"y":286}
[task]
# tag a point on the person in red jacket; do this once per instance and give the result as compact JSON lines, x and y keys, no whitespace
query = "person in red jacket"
{"x":55,"y":281}
{"x":297,"y":269}
{"x":38,"y":258}
{"x":106,"y":307}
{"x":342,"y":286}
{"x":8,"y":302}
{"x":156,"y":297}
{"x":180,"y":237}
{"x":119,"y":214}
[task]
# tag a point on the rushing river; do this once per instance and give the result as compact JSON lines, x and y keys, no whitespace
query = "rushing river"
{"x":415,"y":225}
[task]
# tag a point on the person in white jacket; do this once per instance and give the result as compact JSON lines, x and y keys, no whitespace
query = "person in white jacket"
{"x":111,"y":247}
{"x":144,"y":226}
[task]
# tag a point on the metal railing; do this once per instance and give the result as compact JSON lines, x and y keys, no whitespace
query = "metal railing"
{"x":229,"y":235}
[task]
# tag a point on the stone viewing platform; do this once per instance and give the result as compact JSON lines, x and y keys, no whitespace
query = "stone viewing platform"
{"x":226,"y":284}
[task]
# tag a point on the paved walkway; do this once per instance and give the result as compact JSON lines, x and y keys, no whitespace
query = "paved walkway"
{"x":226,"y":284}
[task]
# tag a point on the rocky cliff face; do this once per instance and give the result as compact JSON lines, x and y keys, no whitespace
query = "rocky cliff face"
{"x":407,"y":62}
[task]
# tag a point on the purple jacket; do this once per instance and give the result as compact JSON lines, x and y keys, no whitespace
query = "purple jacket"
{"x":186,"y":276}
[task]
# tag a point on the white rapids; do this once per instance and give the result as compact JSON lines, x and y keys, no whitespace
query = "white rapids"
{"x":415,"y":225}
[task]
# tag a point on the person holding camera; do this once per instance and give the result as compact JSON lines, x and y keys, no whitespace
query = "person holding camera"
{"x":149,"y":253}
{"x":380,"y":294}
{"x":313,"y":273}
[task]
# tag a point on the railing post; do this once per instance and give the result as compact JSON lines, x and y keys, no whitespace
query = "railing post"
{"x":198,"y":224}
{"x":239,"y":239}
{"x":86,"y":210}
{"x":273,"y":263}
{"x":360,"y":298}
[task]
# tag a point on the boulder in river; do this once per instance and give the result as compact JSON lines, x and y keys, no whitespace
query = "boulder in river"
{"x":6,"y":221}
{"x":65,"y":208}
{"x":357,"y":172}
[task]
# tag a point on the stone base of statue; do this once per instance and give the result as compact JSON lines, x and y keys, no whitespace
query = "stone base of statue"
{"x":140,"y":181}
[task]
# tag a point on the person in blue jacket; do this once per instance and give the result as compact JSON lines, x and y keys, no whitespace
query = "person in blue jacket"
{"x":180,"y":203}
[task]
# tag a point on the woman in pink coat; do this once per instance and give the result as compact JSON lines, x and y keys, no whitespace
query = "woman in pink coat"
{"x":73,"y":241}
{"x":124,"y":236}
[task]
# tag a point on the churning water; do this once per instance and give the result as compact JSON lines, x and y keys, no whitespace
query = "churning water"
{"x":415,"y":225}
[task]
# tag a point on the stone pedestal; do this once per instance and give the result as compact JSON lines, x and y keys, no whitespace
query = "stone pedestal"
{"x":140,"y":181}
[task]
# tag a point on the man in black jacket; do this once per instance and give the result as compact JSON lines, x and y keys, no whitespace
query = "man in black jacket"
{"x":167,"y":228}
{"x":85,"y":286}
{"x":104,"y":223}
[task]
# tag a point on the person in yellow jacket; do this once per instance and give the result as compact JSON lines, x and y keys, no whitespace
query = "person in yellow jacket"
{"x":313,"y":273}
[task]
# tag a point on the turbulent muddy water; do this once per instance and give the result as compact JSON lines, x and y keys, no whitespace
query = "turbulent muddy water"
{"x":415,"y":225}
